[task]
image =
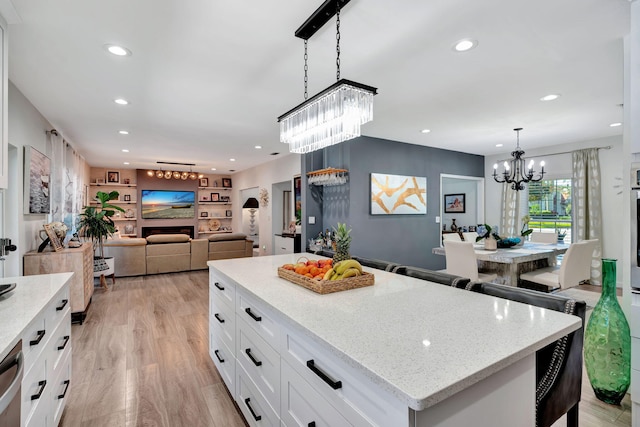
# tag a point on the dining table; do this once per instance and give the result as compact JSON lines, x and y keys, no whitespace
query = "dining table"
{"x":509,"y":263}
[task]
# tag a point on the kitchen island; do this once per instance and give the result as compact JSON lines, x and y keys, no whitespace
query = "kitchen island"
{"x":404,"y":352}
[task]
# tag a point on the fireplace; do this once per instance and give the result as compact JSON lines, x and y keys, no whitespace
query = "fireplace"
{"x":178,"y":229}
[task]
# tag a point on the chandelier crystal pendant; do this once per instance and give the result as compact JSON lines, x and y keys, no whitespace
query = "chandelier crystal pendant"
{"x":335,"y":114}
{"x":515,"y":172}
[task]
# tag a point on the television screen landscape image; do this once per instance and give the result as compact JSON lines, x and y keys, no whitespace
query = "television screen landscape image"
{"x":167,"y":204}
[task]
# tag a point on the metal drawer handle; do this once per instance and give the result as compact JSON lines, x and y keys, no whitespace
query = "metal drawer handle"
{"x":217,"y":285}
{"x":326,"y":378}
{"x":220,"y":319}
{"x":217,"y":353}
{"x":253,"y":316}
{"x":255,"y":416}
{"x":66,"y":340}
{"x":42,"y":385}
{"x":66,"y":387}
{"x":64,"y":303}
{"x":253,"y":358}
{"x":38,"y":338}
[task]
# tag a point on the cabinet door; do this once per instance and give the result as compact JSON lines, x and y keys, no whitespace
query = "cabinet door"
{"x":4,"y":95}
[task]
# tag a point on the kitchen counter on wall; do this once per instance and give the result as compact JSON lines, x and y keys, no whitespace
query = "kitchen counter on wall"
{"x":417,"y":341}
{"x":27,"y":301}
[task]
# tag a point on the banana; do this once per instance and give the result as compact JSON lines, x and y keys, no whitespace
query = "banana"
{"x":336,"y":276}
{"x":351,"y":272}
{"x":328,"y":274}
{"x":349,"y":263}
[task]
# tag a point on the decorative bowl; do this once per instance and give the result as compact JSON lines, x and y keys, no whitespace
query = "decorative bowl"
{"x":508,"y":242}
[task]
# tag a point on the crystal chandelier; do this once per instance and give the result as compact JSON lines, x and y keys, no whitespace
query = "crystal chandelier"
{"x":514,"y":171}
{"x":335,"y":114}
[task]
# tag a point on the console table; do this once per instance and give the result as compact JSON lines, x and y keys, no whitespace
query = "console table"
{"x":76,"y":260}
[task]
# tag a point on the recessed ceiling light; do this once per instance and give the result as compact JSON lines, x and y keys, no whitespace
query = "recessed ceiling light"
{"x":425,"y":130}
{"x":118,"y":50}
{"x":121,"y":101}
{"x":465,"y":45}
{"x":499,"y":145}
{"x":213,"y":169}
{"x":615,"y":125}
{"x":258,"y":147}
{"x":550,"y":97}
{"x":232,"y":160}
{"x":124,"y":150}
{"x":123,"y":132}
{"x":126,"y":163}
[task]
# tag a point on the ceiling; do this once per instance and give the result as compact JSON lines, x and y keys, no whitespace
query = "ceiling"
{"x":207,"y":79}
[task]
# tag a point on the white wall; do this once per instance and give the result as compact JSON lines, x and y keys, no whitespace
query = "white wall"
{"x":264,"y":176}
{"x":611,"y":169}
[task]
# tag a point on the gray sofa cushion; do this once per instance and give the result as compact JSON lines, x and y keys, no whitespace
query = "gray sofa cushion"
{"x":227,"y":236}
{"x":168,"y":238}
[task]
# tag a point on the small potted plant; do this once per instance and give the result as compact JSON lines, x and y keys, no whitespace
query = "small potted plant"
{"x":561,"y":235}
{"x":490,"y":238}
{"x":525,"y":230}
{"x":97,"y":224}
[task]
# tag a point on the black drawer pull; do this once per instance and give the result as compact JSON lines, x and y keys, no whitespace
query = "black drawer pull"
{"x":255,"y":417}
{"x":253,"y":316}
{"x":64,"y":303}
{"x":218,"y":356}
{"x":311,"y":424}
{"x":219,"y":286}
{"x":253,"y":358}
{"x":326,"y":378}
{"x":42,"y":385}
{"x":66,"y":387}
{"x":220,"y":319}
{"x":66,"y":340}
{"x":38,"y":338}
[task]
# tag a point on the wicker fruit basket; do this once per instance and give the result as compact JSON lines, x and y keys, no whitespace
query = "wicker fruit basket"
{"x":327,"y":286}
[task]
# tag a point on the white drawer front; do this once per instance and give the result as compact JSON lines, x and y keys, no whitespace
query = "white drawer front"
{"x":58,"y":308}
{"x":225,"y":362}
{"x":253,"y":405}
{"x":59,"y":345}
{"x":261,"y":362}
{"x":35,"y":385}
{"x":34,"y":341}
{"x":635,"y":385}
{"x":635,"y":353}
{"x":303,"y":406}
{"x":223,"y":323}
{"x":359,"y":400}
{"x":258,"y":318}
{"x":60,"y":389}
{"x":221,"y":289}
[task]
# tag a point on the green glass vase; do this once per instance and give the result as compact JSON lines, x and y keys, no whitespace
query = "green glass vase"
{"x":607,"y":342}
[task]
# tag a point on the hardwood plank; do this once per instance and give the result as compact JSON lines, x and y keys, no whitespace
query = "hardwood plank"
{"x":221,"y":408}
{"x":113,"y":345}
{"x":106,"y":393}
{"x":114,"y":419}
{"x":145,"y":398}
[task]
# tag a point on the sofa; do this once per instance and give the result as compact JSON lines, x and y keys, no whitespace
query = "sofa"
{"x":170,"y":253}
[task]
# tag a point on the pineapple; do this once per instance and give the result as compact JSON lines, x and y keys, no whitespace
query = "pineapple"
{"x":343,"y":240}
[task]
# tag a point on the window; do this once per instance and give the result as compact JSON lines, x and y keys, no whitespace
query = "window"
{"x":550,"y":206}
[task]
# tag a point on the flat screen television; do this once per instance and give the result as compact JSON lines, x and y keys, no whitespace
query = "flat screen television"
{"x":168,"y":204}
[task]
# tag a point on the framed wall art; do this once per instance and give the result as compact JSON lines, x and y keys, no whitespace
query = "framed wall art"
{"x":398,"y":194}
{"x":226,"y":182}
{"x":37,"y":175}
{"x":215,"y":197}
{"x":127,"y":197}
{"x":204,"y":182}
{"x":204,"y":214}
{"x":205,"y":198}
{"x":113,"y":177}
{"x":53,"y":238}
{"x":454,"y":203}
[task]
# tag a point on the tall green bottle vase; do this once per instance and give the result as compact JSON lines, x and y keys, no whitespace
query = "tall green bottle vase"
{"x":607,"y":342}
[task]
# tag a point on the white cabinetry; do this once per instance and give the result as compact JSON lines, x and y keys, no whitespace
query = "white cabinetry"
{"x":4,"y":99}
{"x":282,"y":245}
{"x":635,"y":358}
{"x":46,"y":345}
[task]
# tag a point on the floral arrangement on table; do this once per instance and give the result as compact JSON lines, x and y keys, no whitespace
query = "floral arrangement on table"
{"x":484,"y":231}
{"x":561,"y":234}
{"x":525,"y":230}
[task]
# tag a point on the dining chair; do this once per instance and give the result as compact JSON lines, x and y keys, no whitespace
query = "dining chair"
{"x":540,"y":237}
{"x":575,"y":268}
{"x":461,"y":260}
{"x":470,"y":236}
{"x":452,"y":237}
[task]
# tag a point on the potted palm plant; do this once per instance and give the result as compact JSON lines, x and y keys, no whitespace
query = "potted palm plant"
{"x":96,"y":223}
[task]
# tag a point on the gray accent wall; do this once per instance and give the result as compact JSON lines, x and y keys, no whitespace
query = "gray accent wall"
{"x":405,"y":239}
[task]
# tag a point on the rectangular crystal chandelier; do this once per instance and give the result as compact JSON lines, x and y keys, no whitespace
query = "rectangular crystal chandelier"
{"x":330,"y":117}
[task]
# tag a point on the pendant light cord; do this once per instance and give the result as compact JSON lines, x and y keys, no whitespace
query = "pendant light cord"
{"x":306,"y":69}
{"x":337,"y":40}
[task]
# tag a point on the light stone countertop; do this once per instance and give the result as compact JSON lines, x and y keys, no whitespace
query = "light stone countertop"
{"x":421,"y":341}
{"x":20,"y":306}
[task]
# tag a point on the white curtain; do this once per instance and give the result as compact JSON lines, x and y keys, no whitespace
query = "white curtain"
{"x":587,"y":204}
{"x":67,"y":182}
{"x":509,"y":224}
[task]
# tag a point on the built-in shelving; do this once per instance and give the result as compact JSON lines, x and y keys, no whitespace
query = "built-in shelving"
{"x":116,"y":202}
{"x":214,"y":188}
{"x":123,"y":219}
{"x":102,"y":184}
{"x":215,"y":232}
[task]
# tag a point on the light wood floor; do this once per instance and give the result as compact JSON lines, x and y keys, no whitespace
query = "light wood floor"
{"x":141,"y":359}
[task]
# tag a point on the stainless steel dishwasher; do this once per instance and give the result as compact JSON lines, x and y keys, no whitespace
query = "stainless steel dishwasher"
{"x":11,"y":370}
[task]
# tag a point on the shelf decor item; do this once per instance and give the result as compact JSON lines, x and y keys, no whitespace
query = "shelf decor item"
{"x":113,"y":177}
{"x":37,"y":170}
{"x":607,"y":342}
